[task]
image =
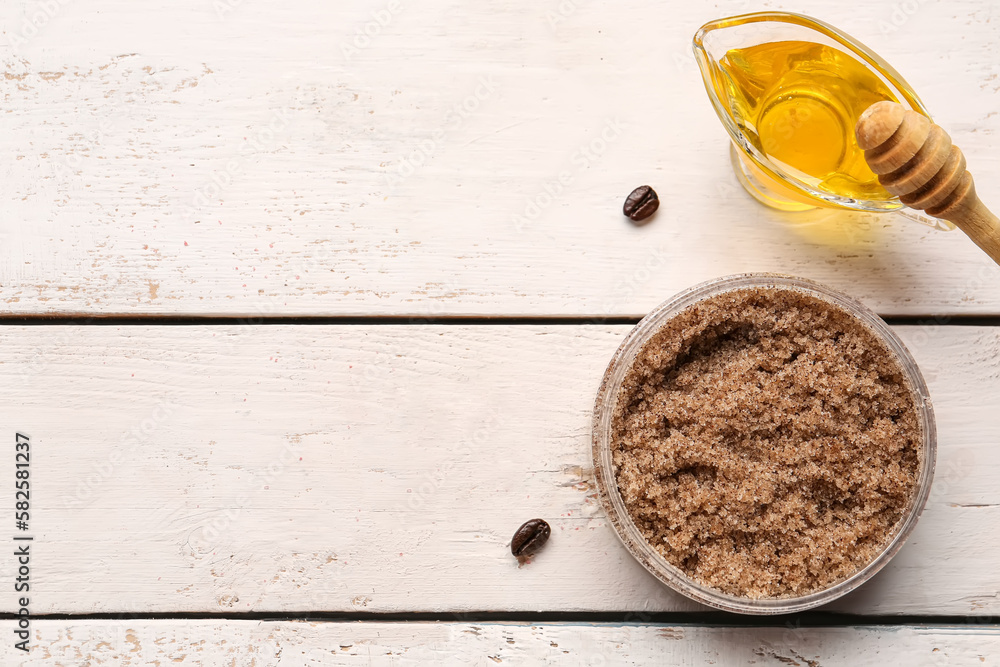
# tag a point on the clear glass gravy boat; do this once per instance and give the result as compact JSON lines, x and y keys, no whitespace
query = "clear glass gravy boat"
{"x":789,"y":89}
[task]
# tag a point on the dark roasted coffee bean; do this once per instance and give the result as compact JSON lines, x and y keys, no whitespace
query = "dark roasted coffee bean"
{"x":641,"y":204}
{"x":529,"y":538}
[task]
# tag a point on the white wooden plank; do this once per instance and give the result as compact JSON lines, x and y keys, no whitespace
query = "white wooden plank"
{"x":384,"y":468}
{"x":267,"y":643}
{"x":231,"y":157}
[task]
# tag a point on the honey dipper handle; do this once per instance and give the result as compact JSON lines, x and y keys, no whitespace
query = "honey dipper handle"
{"x":978,"y":223}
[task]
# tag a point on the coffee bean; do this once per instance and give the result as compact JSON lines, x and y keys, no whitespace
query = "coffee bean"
{"x":641,"y":204}
{"x":529,"y":538}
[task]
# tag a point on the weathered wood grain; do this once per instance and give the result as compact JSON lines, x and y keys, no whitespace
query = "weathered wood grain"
{"x":264,"y":644}
{"x":385,"y":468}
{"x":248,"y":158}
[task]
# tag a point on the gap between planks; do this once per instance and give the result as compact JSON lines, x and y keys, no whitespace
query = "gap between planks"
{"x":711,"y":619}
{"x":392,"y":320}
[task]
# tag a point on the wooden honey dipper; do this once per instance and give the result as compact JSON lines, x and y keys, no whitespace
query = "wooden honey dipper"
{"x":915,"y":160}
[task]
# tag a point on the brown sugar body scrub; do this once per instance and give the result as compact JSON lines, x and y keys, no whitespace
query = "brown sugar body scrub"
{"x":766,"y":442}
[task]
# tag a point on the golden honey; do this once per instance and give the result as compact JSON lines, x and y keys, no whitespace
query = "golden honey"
{"x":797,"y":103}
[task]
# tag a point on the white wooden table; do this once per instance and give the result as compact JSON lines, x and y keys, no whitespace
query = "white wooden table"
{"x":329,"y":468}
